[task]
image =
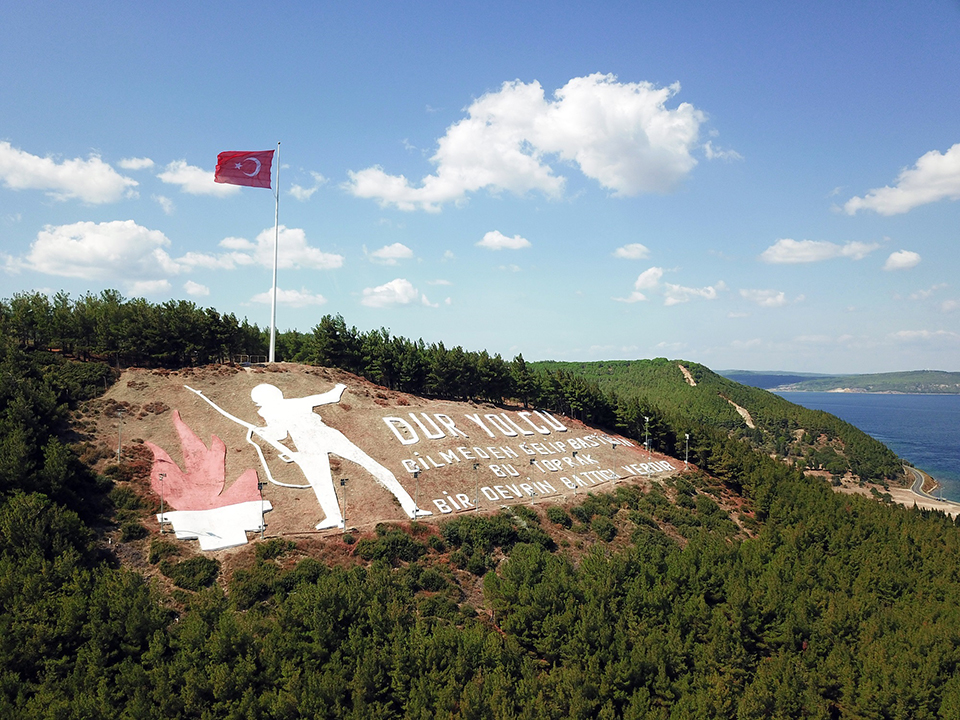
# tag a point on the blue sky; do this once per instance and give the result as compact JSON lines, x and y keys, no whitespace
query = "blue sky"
{"x":747,"y":185}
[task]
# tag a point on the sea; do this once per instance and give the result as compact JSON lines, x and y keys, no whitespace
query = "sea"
{"x":924,"y":429}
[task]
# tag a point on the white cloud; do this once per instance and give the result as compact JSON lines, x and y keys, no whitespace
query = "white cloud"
{"x":11,"y":265}
{"x":807,"y":251}
{"x":136,"y":163}
{"x":620,"y":134}
{"x":304,"y":193}
{"x":649,"y":279}
{"x":765,"y":298}
{"x":196,"y":289}
{"x":902,"y":260}
{"x":110,"y":251}
{"x":235,"y":243}
{"x":391,"y":254}
{"x":395,"y":292}
{"x":195,"y":180}
{"x":226,"y":261}
{"x":91,"y":180}
{"x":676,"y":294}
{"x":165,"y":203}
{"x":423,"y":299}
{"x":496,"y":240}
{"x":149,"y":287}
{"x":935,"y":177}
{"x":439,"y":282}
{"x":924,"y":294}
{"x":509,"y":268}
{"x":949,"y":305}
{"x":633,"y":251}
{"x":713,"y":153}
{"x":294,"y":251}
{"x":293,"y":298}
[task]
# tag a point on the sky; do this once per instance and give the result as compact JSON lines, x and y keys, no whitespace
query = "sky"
{"x":748,"y":185}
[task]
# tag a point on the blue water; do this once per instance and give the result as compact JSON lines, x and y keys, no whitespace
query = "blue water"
{"x":924,"y":429}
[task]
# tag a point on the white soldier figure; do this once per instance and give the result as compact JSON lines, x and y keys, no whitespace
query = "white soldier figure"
{"x":314,"y":442}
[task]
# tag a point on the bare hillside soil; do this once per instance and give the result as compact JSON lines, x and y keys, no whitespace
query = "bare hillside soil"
{"x":141,"y":405}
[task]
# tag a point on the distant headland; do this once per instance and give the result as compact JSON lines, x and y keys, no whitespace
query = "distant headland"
{"x":929,"y":382}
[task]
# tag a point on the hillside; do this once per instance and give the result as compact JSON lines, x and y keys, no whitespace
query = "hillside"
{"x":919,"y":381}
{"x":678,"y":395}
{"x":735,"y":587}
{"x":762,"y":594}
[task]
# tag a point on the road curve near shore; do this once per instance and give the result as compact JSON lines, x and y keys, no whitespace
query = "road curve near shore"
{"x":917,"y":487}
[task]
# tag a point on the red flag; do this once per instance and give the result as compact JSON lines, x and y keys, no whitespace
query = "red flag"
{"x":244,"y":168}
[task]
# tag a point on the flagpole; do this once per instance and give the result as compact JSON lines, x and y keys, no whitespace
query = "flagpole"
{"x":276,"y":246}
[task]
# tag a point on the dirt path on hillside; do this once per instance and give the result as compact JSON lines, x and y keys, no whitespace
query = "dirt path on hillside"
{"x":687,"y":376}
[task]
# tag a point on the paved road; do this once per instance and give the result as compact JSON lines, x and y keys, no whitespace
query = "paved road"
{"x":917,"y":487}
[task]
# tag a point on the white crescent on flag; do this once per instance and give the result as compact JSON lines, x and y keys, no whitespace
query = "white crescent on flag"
{"x":255,"y":172}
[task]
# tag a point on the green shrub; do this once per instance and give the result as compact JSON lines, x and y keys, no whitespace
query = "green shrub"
{"x":132,"y":530}
{"x":162,"y":549}
{"x":604,"y":528}
{"x":526,"y":513}
{"x":392,"y":545}
{"x":125,"y":497}
{"x":432,"y":580}
{"x":274,"y":548}
{"x":191,"y":574}
{"x":558,"y":516}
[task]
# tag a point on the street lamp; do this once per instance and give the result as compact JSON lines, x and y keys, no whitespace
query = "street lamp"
{"x":574,"y":456}
{"x":476,"y":489}
{"x":162,"y":476}
{"x":416,"y":494}
{"x":646,"y":432}
{"x":263,"y":524}
{"x":343,"y":484}
{"x":686,"y":453}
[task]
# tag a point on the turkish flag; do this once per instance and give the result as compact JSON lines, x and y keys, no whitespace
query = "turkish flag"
{"x":244,"y":168}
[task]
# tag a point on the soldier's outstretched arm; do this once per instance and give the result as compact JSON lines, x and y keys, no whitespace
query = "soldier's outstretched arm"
{"x":331,"y":396}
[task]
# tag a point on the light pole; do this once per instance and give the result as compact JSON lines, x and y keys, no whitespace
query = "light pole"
{"x":162,"y":476}
{"x":646,"y":432}
{"x":263,"y":524}
{"x":416,"y":494}
{"x":476,"y":489}
{"x":343,"y":484}
{"x":613,"y":483}
{"x":574,"y":456}
{"x":686,"y":452}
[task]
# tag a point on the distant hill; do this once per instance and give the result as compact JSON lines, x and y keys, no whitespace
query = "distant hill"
{"x":769,"y":380}
{"x":917,"y":381}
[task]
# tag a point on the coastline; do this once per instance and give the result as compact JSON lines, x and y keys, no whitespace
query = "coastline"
{"x":919,"y":493}
{"x":857,"y":391}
